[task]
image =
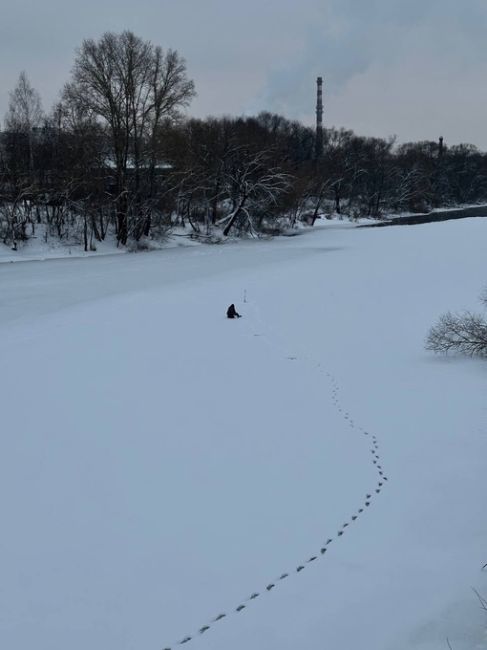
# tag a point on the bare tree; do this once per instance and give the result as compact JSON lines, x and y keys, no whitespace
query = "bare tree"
{"x":25,"y":106}
{"x":16,"y":208}
{"x":253,"y":187}
{"x":130,"y":86}
{"x":24,"y":113}
{"x":465,"y":333}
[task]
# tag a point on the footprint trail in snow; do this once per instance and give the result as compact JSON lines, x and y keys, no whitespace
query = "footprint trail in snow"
{"x":322,"y":548}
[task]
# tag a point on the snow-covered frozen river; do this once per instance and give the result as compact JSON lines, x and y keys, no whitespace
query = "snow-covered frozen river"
{"x":161,"y":466}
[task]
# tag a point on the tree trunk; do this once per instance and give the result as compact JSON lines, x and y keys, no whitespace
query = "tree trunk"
{"x":236,"y":212}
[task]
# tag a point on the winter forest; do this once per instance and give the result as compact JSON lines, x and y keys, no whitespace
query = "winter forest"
{"x":117,"y":155}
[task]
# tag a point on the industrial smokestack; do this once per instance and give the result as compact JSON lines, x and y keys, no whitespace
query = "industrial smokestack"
{"x":319,"y":118}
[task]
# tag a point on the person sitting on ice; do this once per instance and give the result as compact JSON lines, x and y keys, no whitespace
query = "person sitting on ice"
{"x":232,"y":312}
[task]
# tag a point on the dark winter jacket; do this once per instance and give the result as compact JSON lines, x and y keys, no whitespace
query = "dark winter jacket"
{"x":231,"y":312}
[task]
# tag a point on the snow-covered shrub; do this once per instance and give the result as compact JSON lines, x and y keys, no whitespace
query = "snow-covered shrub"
{"x":465,"y":333}
{"x":143,"y":244}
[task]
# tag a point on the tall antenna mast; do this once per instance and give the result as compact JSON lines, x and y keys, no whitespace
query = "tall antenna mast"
{"x":319,"y":118}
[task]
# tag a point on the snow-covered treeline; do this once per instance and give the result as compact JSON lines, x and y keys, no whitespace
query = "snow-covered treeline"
{"x":116,"y":156}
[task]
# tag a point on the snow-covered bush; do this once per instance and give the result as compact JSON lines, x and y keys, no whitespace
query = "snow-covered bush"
{"x":465,"y":333}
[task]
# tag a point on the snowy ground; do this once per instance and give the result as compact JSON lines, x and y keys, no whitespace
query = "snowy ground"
{"x":37,"y":248}
{"x":160,"y":464}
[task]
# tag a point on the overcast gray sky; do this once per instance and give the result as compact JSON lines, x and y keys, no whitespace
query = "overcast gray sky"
{"x":416,"y":69}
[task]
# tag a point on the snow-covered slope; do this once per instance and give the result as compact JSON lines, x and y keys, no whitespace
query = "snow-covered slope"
{"x":161,"y":465}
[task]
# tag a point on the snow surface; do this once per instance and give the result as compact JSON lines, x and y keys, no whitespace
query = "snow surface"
{"x":37,"y":248}
{"x":160,"y":464}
